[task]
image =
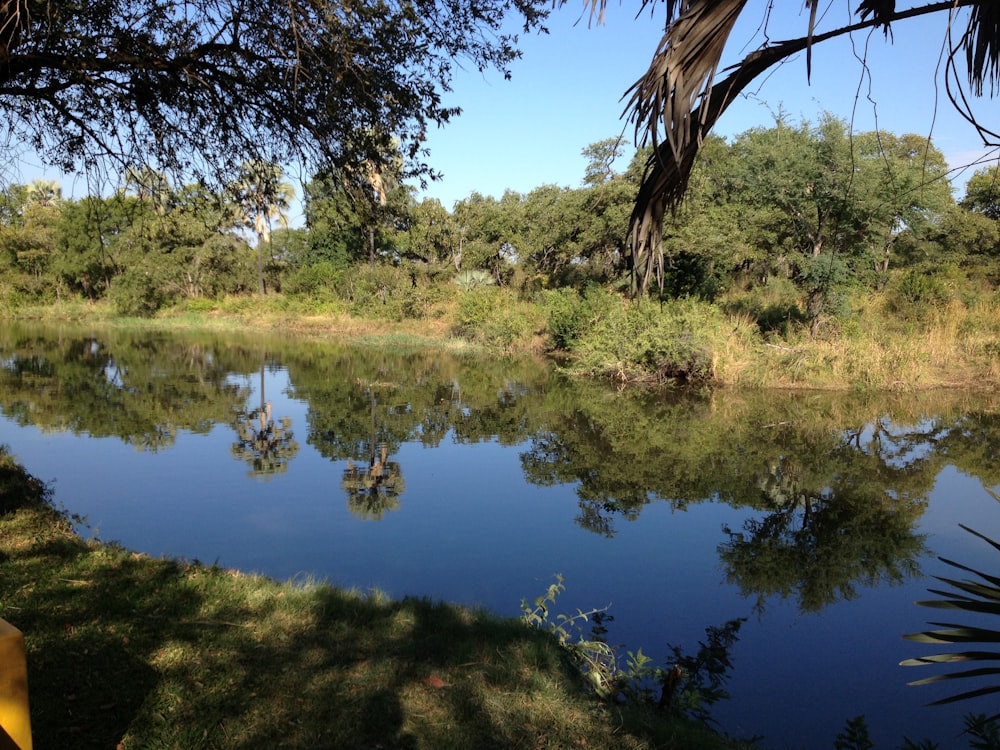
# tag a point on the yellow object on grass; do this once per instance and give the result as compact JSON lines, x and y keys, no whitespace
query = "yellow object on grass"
{"x":15,"y":721}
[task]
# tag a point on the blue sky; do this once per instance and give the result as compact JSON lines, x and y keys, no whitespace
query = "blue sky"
{"x":567,"y":92}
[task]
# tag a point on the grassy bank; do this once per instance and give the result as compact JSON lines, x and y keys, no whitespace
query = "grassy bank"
{"x":876,"y":347}
{"x":131,"y":652}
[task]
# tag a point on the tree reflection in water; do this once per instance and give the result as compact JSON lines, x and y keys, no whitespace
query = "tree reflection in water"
{"x":818,"y":543}
{"x":375,"y":490}
{"x":260,"y":442}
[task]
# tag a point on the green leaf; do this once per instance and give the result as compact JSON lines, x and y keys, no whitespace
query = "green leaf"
{"x":948,"y":658}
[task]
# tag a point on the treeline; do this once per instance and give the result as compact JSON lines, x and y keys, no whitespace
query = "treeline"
{"x":787,"y":226}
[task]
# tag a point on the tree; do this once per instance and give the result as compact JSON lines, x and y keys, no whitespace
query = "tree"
{"x":675,"y":104}
{"x":982,"y":192}
{"x":150,"y":184}
{"x":43,"y":192}
{"x":189,"y":86}
{"x":261,"y":196}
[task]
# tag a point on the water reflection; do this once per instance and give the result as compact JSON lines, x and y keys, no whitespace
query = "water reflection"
{"x":260,"y":442}
{"x":374,"y":490}
{"x":803,"y":503}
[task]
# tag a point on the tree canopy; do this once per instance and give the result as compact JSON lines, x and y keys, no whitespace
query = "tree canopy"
{"x":675,"y":104}
{"x":197,"y":87}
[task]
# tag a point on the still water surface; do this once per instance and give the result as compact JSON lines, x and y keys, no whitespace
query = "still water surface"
{"x":818,"y":517}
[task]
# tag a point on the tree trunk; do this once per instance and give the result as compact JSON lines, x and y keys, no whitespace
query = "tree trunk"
{"x":260,"y":263}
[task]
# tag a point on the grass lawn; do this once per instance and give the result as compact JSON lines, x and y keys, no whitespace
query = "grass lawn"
{"x":126,"y":651}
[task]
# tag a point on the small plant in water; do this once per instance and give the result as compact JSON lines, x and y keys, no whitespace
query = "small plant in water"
{"x":687,"y":686}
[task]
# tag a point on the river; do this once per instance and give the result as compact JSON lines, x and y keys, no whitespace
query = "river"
{"x":820,"y":518}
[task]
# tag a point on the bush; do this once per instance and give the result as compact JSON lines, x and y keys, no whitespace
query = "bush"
{"x":774,"y":306}
{"x":136,"y":293}
{"x":570,"y":314}
{"x":493,"y":316}
{"x":319,"y":280}
{"x":385,"y":291}
{"x":646,"y":341}
{"x":917,"y":292}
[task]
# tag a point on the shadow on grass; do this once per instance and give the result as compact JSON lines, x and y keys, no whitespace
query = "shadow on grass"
{"x":130,"y":652}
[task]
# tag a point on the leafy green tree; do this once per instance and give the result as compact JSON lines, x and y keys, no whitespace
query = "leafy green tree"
{"x":907,"y":176}
{"x":601,"y":157}
{"x":86,"y":257}
{"x":12,"y":200}
{"x":982,"y":192}
{"x":335,"y":228}
{"x":191,"y":87}
{"x":432,"y":234}
{"x":677,"y":102}
{"x":28,"y":238}
{"x":489,"y":232}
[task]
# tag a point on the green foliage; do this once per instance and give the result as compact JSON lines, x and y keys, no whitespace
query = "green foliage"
{"x":319,"y":280}
{"x":688,"y":685}
{"x":672,"y":342}
{"x":493,"y":316}
{"x":386,"y":292}
{"x":474,"y":278}
{"x":570,"y":313}
{"x":919,"y":291}
{"x":773,"y":306}
{"x":136,"y":293}
{"x":982,"y":192}
{"x":596,"y":660}
{"x":854,"y":736}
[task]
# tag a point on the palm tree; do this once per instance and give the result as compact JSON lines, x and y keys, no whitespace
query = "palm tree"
{"x":43,"y":192}
{"x":261,"y":196}
{"x":675,"y":104}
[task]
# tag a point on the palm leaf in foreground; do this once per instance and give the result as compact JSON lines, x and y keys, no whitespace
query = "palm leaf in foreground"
{"x":982,"y":596}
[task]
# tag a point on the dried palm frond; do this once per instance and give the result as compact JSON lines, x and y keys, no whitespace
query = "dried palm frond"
{"x":982,"y":46}
{"x":681,"y":72}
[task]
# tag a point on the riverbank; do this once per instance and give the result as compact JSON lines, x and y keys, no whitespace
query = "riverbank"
{"x":128,"y":651}
{"x":606,"y":337}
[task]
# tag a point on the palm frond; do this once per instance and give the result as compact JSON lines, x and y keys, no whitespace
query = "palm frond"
{"x":980,"y":672}
{"x":681,"y":72}
{"x":982,"y":597}
{"x":964,"y":604}
{"x":982,"y":46}
{"x":958,"y":656}
{"x":955,"y":634}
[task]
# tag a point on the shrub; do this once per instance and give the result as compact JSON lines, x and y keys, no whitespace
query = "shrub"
{"x":493,"y":316}
{"x":646,"y":341}
{"x":385,"y":291}
{"x":136,"y":292}
{"x":917,"y":292}
{"x":319,"y":280}
{"x":570,"y":314}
